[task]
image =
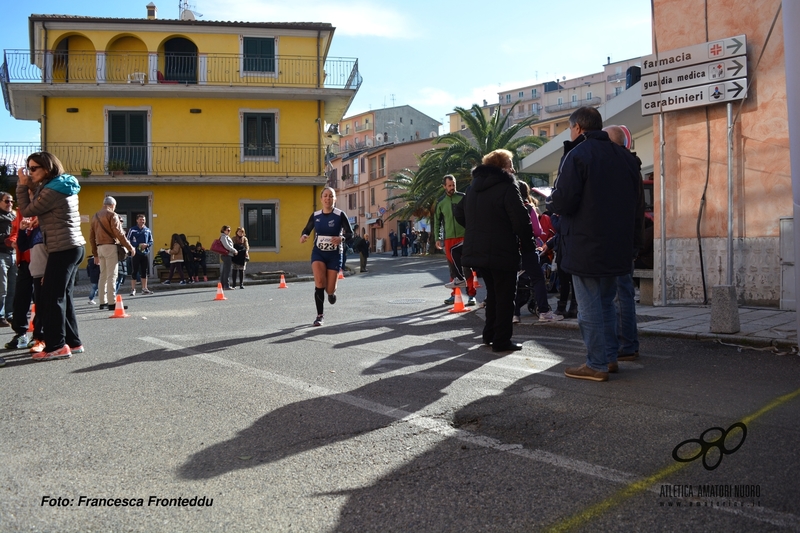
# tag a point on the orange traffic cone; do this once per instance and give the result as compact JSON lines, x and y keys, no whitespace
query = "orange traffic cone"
{"x":458,"y":306}
{"x":119,"y":309}
{"x":33,"y":314}
{"x":283,"y":283}
{"x":475,"y":283}
{"x":341,"y":274}
{"x":220,"y":295}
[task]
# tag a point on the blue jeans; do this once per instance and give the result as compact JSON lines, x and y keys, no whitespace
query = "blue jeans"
{"x":597,"y":318}
{"x":627,"y":334}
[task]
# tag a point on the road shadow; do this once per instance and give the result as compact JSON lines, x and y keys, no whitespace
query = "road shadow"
{"x":322,"y":421}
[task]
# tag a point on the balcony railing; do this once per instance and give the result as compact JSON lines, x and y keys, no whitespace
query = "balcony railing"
{"x":573,"y":105}
{"x":174,"y":159}
{"x":364,"y":127}
{"x":148,"y":68}
{"x":617,"y":76}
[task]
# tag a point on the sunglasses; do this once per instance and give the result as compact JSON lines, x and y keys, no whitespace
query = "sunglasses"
{"x":33,"y":168}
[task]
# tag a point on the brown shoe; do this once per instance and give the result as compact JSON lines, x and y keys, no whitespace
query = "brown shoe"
{"x":628,"y":357}
{"x":584,"y":372}
{"x":613,"y":368}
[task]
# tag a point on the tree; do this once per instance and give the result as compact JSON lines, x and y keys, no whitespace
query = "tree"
{"x":458,"y":155}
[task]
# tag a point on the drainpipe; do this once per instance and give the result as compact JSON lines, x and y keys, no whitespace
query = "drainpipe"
{"x":43,"y":122}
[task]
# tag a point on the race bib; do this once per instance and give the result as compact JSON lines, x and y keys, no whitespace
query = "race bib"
{"x":325,"y":244}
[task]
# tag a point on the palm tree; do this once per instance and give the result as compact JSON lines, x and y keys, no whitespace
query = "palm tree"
{"x":458,"y":155}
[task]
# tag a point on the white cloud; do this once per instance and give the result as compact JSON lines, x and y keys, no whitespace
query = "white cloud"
{"x":360,"y":18}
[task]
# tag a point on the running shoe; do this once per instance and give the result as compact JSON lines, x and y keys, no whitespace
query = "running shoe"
{"x":167,"y":282}
{"x":549,"y":317}
{"x":17,"y":342}
{"x":62,"y":353}
{"x":332,"y":298}
{"x":457,"y":282}
{"x":319,"y":321}
{"x":515,"y":320}
{"x":183,"y":282}
{"x":471,"y":301}
{"x":147,"y":291}
{"x":92,"y":302}
{"x":78,"y":349}
{"x":450,"y":301}
{"x":37,"y":347}
{"x":133,"y":292}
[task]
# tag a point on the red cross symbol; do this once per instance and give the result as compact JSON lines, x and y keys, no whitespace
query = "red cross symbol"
{"x":716,"y":50}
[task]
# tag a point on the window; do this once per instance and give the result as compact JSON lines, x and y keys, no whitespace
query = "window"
{"x":401,"y":120}
{"x":259,"y":54}
{"x":346,"y":172}
{"x":533,"y":93}
{"x":260,"y":221}
{"x":574,"y":97}
{"x":411,"y":121}
{"x":333,"y":176}
{"x":589,"y":95}
{"x":618,"y":91}
{"x":372,"y":196}
{"x":560,"y":100}
{"x":127,"y":141}
{"x":351,"y":202}
{"x":382,"y":168}
{"x":355,"y":171}
{"x":521,"y":94}
{"x":259,"y":134}
{"x":508,"y":98}
{"x":347,"y":129}
{"x":542,"y":133}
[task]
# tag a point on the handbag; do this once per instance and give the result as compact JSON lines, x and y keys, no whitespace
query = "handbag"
{"x":122,"y":252}
{"x":216,"y":246}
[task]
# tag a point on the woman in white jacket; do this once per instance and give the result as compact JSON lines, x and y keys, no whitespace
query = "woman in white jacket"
{"x":225,"y":260}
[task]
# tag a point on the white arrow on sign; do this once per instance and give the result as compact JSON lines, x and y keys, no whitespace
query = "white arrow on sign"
{"x":694,"y":75}
{"x":694,"y":97}
{"x":694,"y":55}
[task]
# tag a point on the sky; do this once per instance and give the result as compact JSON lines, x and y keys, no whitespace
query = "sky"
{"x":433,"y":55}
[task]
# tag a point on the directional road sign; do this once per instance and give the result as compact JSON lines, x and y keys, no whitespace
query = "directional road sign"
{"x":694,"y":96}
{"x":695,"y":55}
{"x":722,"y":70}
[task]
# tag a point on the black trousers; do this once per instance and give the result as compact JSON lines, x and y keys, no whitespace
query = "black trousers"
{"x":23,"y":296}
{"x":501,"y":286}
{"x":58,"y":308}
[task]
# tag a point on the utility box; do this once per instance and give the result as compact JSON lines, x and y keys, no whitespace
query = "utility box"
{"x":788,"y":289}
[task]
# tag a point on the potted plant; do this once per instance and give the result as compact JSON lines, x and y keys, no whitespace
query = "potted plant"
{"x":117,"y":167}
{"x":86,"y":172}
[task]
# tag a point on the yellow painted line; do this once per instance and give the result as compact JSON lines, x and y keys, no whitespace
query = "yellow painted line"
{"x":644,"y":484}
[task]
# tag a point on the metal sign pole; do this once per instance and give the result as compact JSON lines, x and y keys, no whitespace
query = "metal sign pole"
{"x":730,"y":276}
{"x":662,"y":216}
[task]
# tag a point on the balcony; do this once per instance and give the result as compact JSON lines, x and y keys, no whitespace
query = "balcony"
{"x":172,"y":160}
{"x":27,"y":74}
{"x":364,"y":127}
{"x":573,"y":105}
{"x":617,"y":76}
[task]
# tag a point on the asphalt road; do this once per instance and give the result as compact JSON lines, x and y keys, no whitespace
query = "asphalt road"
{"x":237,"y":415}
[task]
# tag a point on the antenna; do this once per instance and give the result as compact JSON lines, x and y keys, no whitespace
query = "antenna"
{"x":186,"y":11}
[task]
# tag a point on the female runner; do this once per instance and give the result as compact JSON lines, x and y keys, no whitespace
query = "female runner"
{"x":331,"y":229}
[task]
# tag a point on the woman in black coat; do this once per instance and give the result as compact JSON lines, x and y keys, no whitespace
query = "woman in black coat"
{"x":497,"y":229}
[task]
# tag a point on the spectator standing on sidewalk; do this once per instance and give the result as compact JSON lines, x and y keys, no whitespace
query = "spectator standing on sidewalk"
{"x":8,"y":261}
{"x":498,"y":227}
{"x":225,"y":260}
{"x":141,"y":238}
{"x":106,"y":231}
{"x":627,"y":331}
{"x":452,"y":239}
{"x":596,"y":239}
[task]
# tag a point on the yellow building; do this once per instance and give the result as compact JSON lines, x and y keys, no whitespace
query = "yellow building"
{"x":196,"y":124}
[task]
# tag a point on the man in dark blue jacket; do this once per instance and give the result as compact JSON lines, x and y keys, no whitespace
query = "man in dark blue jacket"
{"x":596,"y":195}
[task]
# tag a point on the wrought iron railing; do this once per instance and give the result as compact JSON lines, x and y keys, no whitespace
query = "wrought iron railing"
{"x":145,"y":68}
{"x":174,"y":159}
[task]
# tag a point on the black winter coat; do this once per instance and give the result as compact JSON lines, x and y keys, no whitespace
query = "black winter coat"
{"x":596,"y":194}
{"x":497,"y":225}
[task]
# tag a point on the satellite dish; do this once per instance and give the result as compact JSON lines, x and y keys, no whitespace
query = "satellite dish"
{"x":187,"y":15}
{"x":369,"y":141}
{"x":432,"y":134}
{"x":379,"y":137}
